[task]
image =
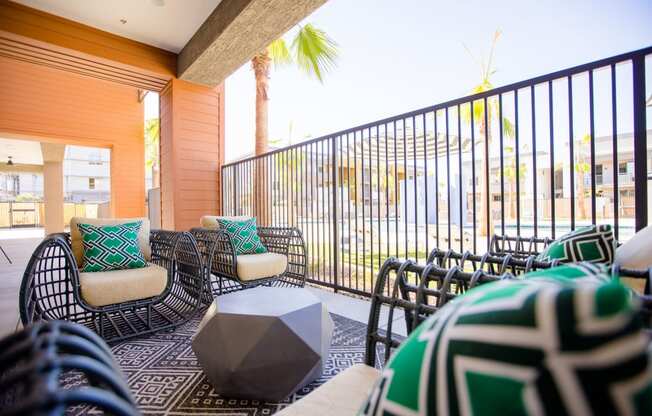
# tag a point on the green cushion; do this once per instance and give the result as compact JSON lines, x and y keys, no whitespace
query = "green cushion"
{"x":111,"y":247}
{"x":570,"y":344}
{"x":244,"y":235}
{"x":594,"y":243}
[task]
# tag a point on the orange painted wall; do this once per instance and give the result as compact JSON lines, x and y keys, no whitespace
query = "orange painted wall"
{"x":52,"y":105}
{"x":192,"y":151}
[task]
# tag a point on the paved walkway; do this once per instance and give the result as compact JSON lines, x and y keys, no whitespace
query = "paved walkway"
{"x":19,"y":245}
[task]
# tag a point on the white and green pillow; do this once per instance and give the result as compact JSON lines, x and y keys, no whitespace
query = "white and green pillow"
{"x":565,"y":341}
{"x":594,"y":243}
{"x":111,"y":247}
{"x":243,"y":235}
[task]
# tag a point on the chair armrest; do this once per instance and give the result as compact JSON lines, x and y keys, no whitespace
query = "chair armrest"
{"x":289,"y":242}
{"x":50,"y":286}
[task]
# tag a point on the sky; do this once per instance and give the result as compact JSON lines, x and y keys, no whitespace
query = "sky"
{"x":397,"y":56}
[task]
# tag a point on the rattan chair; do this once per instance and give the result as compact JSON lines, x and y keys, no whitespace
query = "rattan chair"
{"x":221,"y":262}
{"x":51,"y":289}
{"x":55,"y":368}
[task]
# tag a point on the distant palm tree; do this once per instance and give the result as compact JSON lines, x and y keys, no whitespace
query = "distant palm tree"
{"x":486,"y":71}
{"x":314,"y":53}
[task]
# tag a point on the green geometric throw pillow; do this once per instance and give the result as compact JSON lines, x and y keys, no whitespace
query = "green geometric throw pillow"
{"x":243,"y":235}
{"x":111,"y":247}
{"x":532,"y":346}
{"x":592,"y":243}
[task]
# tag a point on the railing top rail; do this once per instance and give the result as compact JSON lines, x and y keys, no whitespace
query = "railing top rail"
{"x":568,"y":72}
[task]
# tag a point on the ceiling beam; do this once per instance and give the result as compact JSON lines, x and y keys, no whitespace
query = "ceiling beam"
{"x":234,"y":32}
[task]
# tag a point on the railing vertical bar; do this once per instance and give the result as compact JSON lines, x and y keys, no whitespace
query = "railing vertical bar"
{"x":517,"y":167}
{"x":436,"y":180}
{"x":535,"y":211}
{"x":396,"y":193}
{"x":314,"y":201}
{"x":323,"y":206}
{"x":551,"y":116}
{"x":364,"y":225}
{"x":355,"y":175}
{"x":475,"y":237}
{"x":425,"y":181}
{"x":371,"y":208}
{"x":592,"y":144}
{"x":414,"y":186}
{"x":460,"y":174}
{"x":340,"y":246}
{"x":387,"y":196}
{"x":405,"y":178}
{"x":640,"y":142}
{"x":614,"y":138}
{"x":502,"y":163}
{"x":571,"y":145}
{"x":448,"y":180}
{"x":335,"y":242}
{"x":380,"y":232}
{"x":348,"y":201}
{"x":486,"y":170}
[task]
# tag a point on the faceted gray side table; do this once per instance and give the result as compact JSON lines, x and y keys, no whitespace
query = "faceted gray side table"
{"x":263,"y":343}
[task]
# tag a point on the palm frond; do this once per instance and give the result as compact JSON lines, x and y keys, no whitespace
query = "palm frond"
{"x":314,"y":52}
{"x":279,"y":52}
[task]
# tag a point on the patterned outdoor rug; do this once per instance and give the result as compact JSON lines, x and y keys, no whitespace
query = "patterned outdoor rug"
{"x":166,"y":379}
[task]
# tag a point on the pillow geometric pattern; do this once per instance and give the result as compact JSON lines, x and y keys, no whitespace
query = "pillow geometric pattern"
{"x":532,"y":346}
{"x":111,"y":247}
{"x":592,"y":243}
{"x":243,"y":235}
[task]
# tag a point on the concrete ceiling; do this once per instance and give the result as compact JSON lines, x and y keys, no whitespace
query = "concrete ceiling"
{"x":22,"y":152}
{"x":166,"y":24}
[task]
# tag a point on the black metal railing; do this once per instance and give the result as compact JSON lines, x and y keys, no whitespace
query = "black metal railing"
{"x":535,"y":158}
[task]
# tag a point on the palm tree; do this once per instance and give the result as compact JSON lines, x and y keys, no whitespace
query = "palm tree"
{"x":486,"y":71}
{"x":152,"y":148}
{"x":314,"y":52}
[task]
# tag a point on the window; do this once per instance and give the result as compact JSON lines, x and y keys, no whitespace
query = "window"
{"x":91,"y":183}
{"x":622,"y":168}
{"x":598,"y":174}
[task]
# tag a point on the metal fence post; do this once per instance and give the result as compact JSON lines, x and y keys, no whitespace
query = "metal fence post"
{"x":336,"y":239}
{"x":640,"y":141}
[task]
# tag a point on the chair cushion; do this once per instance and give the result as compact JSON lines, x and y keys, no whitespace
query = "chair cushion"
{"x":210,"y":221}
{"x":118,"y":286}
{"x":594,"y":243}
{"x":259,"y":266}
{"x":76,"y":239}
{"x":342,"y":395}
{"x":111,"y":247}
{"x":567,"y":344}
{"x":636,"y":253}
{"x":243,"y":236}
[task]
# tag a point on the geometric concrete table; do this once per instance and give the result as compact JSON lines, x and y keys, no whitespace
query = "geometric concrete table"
{"x":263,"y":343}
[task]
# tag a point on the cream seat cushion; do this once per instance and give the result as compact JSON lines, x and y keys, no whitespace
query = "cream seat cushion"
{"x":637,"y":252}
{"x":118,"y":286}
{"x":76,"y":238}
{"x":258,"y":266}
{"x":342,"y":395}
{"x":210,"y":221}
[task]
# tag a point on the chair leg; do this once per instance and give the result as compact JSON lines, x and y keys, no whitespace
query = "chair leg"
{"x":5,"y":254}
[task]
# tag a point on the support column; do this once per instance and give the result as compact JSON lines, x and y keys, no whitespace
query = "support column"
{"x":53,"y":186}
{"x":192,"y":132}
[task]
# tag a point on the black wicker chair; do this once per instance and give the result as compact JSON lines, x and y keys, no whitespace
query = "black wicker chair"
{"x":57,"y":367}
{"x":220,"y":260}
{"x":420,"y":290}
{"x":50,"y":289}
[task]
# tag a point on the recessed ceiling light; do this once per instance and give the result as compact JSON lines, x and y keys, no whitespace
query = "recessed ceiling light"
{"x":158,"y":3}
{"x":123,"y":21}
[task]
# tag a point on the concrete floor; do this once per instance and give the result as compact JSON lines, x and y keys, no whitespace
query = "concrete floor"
{"x":19,"y":245}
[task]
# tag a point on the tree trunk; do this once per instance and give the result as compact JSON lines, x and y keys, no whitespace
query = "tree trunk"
{"x":260,"y":64}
